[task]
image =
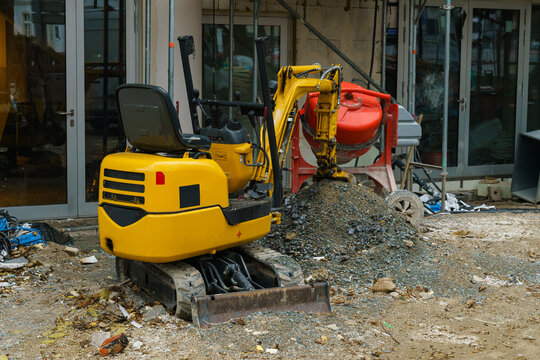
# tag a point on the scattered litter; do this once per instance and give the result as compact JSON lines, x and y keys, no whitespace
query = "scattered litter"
{"x":124,"y":311}
{"x":6,"y":284}
{"x":114,"y":345}
{"x":136,"y":324}
{"x":89,"y":260}
{"x":333,"y":327}
{"x":12,"y":235}
{"x":259,"y":348}
{"x":272,"y":351}
{"x":319,"y":258}
{"x":12,"y":264}
{"x":492,"y":281}
{"x":432,"y":204}
{"x":137,"y":345}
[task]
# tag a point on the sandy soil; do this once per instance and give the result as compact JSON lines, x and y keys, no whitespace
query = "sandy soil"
{"x":487,"y":308}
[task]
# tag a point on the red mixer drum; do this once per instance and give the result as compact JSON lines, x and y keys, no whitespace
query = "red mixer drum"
{"x":358,"y":124}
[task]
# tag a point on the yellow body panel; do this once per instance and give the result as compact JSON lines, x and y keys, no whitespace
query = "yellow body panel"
{"x":168,"y":232}
{"x":171,"y":237}
{"x":232,"y":158}
{"x":177,"y":171}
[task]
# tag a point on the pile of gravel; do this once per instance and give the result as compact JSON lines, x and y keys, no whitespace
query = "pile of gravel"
{"x":345,"y":229}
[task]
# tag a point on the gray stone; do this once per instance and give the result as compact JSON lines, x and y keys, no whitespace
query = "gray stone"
{"x":154,"y":312}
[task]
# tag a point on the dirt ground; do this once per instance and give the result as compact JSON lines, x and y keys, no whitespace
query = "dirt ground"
{"x":481,"y":301}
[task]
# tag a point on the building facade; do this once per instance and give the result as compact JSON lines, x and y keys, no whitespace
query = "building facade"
{"x":61,"y":61}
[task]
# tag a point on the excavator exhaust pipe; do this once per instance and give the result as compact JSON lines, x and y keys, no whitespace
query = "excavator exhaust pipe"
{"x":216,"y":309}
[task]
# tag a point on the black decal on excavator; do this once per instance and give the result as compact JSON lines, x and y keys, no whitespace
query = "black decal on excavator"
{"x":190,"y":195}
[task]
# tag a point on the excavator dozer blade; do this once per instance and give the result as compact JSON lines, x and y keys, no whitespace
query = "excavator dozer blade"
{"x":215,"y":309}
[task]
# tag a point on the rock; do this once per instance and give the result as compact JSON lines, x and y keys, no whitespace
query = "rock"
{"x":99,"y":337}
{"x":385,"y":285}
{"x":333,"y":327}
{"x":113,"y":313}
{"x":478,"y":279}
{"x":425,"y":295}
{"x":394,"y":294}
{"x":408,"y":243}
{"x":290,"y":236}
{"x":258,"y":333}
{"x":338,"y":299}
{"x":72,"y":251}
{"x":137,"y":345}
{"x":154,"y":312}
{"x":321,"y":274}
{"x":323,"y":339}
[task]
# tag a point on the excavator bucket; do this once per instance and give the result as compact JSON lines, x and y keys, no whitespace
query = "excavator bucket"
{"x":215,"y":309}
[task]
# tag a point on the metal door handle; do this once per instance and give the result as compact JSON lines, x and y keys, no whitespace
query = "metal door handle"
{"x":70,"y":112}
{"x":461,"y":101}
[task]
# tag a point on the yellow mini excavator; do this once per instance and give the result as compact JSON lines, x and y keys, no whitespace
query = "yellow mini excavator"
{"x":180,"y":211}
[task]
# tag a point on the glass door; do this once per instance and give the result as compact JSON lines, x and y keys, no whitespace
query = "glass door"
{"x":494,"y":86}
{"x":486,"y":85}
{"x":37,"y":108}
{"x":429,"y":87}
{"x":105,"y":66}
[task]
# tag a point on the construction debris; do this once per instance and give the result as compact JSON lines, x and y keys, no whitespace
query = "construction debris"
{"x":71,"y":250}
{"x":89,"y":260}
{"x":114,"y":345}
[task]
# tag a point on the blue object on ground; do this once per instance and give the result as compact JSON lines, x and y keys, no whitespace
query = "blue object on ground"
{"x":29,"y":237}
{"x":435,"y":207}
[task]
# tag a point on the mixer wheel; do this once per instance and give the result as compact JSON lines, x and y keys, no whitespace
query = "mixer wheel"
{"x":408,"y":204}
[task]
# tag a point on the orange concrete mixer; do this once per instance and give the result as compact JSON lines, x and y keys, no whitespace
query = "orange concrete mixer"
{"x":358,"y":124}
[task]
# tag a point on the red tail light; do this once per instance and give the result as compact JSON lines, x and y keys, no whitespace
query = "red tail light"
{"x":160,"y":178}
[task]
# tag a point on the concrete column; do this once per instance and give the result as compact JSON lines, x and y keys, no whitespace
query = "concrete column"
{"x":188,"y":21}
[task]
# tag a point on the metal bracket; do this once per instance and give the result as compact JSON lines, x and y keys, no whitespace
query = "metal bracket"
{"x":447,"y":7}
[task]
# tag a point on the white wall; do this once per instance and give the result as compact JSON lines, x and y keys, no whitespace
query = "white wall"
{"x":188,"y":21}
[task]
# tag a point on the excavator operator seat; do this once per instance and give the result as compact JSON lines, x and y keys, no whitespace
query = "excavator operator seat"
{"x":151,"y":123}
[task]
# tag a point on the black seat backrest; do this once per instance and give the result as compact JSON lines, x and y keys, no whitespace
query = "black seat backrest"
{"x":150,"y":120}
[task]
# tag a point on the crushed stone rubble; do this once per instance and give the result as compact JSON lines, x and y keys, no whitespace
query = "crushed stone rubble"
{"x":346,"y":229}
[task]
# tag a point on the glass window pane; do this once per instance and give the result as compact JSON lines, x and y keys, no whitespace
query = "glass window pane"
{"x":429,"y":95}
{"x":32,"y":91}
{"x":105,"y":69}
{"x":494,"y":66}
{"x":390,"y":80}
{"x":216,"y":78}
